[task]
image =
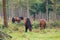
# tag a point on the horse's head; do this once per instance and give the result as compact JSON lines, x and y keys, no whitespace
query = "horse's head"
{"x":21,"y":18}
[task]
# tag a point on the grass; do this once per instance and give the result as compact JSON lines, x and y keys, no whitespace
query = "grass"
{"x":36,"y":34}
{"x":51,"y":35}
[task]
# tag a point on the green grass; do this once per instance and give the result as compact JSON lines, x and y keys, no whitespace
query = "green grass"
{"x":36,"y":34}
{"x":52,"y":35}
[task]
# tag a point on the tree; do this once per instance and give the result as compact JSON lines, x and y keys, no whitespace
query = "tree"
{"x":28,"y":8}
{"x":47,"y":9}
{"x":46,"y":6}
{"x":12,"y":6}
{"x":36,"y":7}
{"x":1,"y":8}
{"x":54,"y":9}
{"x":20,"y":6}
{"x":4,"y":13}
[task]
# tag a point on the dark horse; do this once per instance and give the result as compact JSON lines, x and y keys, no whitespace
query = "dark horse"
{"x":27,"y":24}
{"x":42,"y":24}
{"x":16,"y":19}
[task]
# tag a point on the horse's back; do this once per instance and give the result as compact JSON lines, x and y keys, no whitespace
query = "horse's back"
{"x":42,"y":21}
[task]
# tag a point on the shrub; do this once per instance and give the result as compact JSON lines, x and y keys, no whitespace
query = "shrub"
{"x":53,"y":24}
{"x":56,"y":23}
{"x":35,"y":24}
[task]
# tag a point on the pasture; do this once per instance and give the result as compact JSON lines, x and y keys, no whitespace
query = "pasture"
{"x":17,"y":31}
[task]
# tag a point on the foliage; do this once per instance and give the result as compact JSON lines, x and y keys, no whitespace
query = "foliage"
{"x":35,"y":24}
{"x":56,"y":23}
{"x":37,"y":7}
{"x":43,"y":6}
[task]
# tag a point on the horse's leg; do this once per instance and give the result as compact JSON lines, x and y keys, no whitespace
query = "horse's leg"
{"x":13,"y":20}
{"x":44,"y":26}
{"x":30,"y":29}
{"x":18,"y":21}
{"x":41,"y":27}
{"x":26,"y":28}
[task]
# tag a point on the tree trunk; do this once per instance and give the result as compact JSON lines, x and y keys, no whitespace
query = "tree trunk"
{"x":28,"y":8}
{"x":4,"y":13}
{"x":48,"y":16}
{"x":54,"y":11}
{"x":7,"y":8}
{"x":20,"y":8}
{"x":47,"y":9}
{"x":12,"y":8}
{"x":41,"y":15}
{"x":34,"y":16}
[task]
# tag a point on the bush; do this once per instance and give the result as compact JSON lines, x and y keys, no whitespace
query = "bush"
{"x":2,"y":26}
{"x":35,"y":24}
{"x":54,"y":24}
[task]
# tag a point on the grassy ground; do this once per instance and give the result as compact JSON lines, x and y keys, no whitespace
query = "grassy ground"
{"x":18,"y":33}
{"x":50,"y":34}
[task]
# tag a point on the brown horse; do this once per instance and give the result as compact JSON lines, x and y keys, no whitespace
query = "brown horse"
{"x":17,"y":19}
{"x":27,"y":24}
{"x":42,"y":23}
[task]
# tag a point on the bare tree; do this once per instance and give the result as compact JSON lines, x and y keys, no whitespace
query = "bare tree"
{"x":54,"y":10}
{"x":47,"y":9}
{"x":5,"y":14}
{"x":28,"y":8}
{"x":12,"y":8}
{"x":20,"y":8}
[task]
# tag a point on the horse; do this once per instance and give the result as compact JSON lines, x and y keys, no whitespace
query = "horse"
{"x":17,"y":19}
{"x":27,"y":24}
{"x":42,"y":24}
